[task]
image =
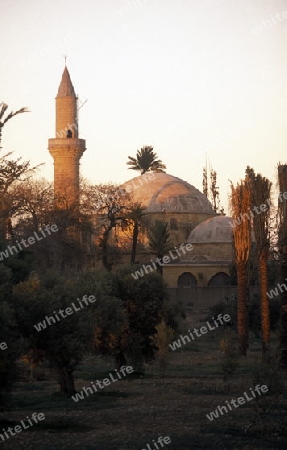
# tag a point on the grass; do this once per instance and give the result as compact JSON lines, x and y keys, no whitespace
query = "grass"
{"x":132,"y":412}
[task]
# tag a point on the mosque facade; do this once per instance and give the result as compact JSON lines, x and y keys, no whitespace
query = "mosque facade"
{"x":167,"y":198}
{"x":191,"y":220}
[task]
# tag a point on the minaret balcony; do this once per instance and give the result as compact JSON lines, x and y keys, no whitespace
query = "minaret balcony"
{"x":72,"y":144}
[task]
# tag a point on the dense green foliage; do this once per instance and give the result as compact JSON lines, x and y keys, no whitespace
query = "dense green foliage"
{"x":120,"y":323}
{"x":230,"y":307}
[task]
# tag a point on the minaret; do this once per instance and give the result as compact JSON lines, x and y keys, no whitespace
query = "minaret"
{"x":66,"y":148}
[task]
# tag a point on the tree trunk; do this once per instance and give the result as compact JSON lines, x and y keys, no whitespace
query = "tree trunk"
{"x":159,"y":268}
{"x":242,"y":309}
{"x":104,"y":245}
{"x":120,"y":360}
{"x":282,"y":178}
{"x":283,"y":312}
{"x":3,"y":217}
{"x":135,"y":241}
{"x":66,"y":381}
{"x":265,"y":308}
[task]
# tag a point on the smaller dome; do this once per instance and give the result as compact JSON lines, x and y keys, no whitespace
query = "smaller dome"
{"x":214,"y":230}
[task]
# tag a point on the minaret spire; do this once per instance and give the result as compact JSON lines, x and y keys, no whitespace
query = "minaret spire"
{"x":66,"y":148}
{"x":66,"y":87}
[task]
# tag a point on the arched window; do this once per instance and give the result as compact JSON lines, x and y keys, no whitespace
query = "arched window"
{"x":186,"y":280}
{"x":219,"y":279}
{"x":69,"y":134}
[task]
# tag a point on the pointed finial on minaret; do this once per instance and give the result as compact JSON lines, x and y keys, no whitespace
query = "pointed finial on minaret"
{"x":65,"y":57}
{"x":66,"y":87}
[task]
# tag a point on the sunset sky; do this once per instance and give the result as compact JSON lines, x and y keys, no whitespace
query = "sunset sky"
{"x":197,"y":79}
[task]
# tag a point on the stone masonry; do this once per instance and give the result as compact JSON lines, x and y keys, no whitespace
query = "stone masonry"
{"x":66,"y":148}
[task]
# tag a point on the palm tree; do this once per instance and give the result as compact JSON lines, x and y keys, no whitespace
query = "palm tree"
{"x":3,"y":120}
{"x":159,"y":240}
{"x":136,"y":214}
{"x":240,"y":205}
{"x":146,"y":161}
{"x":282,"y":244}
{"x":9,"y":170}
{"x":260,"y":188}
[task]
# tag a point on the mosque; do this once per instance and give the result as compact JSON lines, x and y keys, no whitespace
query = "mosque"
{"x":188,"y":212}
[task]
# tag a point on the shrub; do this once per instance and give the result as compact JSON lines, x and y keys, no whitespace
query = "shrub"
{"x":229,"y":362}
{"x":230,"y":307}
{"x":8,"y":334}
{"x":162,"y":338}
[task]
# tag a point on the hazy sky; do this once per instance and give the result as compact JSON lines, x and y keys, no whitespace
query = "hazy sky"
{"x":196,"y":79}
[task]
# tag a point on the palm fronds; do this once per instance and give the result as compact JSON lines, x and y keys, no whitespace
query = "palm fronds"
{"x":3,"y":120}
{"x":146,"y":160}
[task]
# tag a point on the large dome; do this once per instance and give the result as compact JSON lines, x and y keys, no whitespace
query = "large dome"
{"x":159,"y":191}
{"x":214,"y":230}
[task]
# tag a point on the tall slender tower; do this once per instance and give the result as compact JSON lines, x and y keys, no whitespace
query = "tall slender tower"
{"x":66,"y":148}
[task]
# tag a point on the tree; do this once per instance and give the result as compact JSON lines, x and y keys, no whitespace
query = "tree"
{"x":146,"y":161}
{"x":62,"y":343}
{"x":69,"y":337}
{"x":214,"y":191}
{"x":136,"y":214}
{"x":4,"y":120}
{"x":32,"y":208}
{"x":205,"y":182}
{"x":12,"y":271}
{"x":240,"y":205}
{"x":9,"y":333}
{"x":10,"y":170}
{"x":211,"y":194}
{"x":30,"y":203}
{"x":260,"y":188}
{"x":112,"y":214}
{"x":164,"y":335}
{"x":282,"y":244}
{"x":146,"y":304}
{"x":159,"y":240}
{"x":9,"y":337}
{"x":133,"y":308}
{"x":33,"y":199}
